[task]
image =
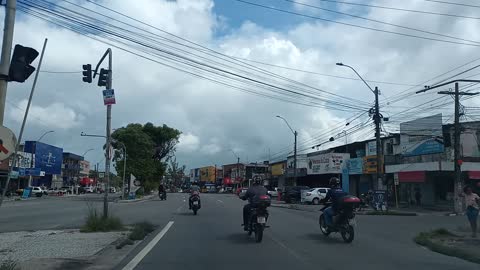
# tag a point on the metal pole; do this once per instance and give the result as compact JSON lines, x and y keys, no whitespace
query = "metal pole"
{"x":107,"y":148}
{"x":14,"y":158}
{"x":10,"y":8}
{"x":378,"y":142}
{"x":295,"y":160}
{"x":238,"y":170}
{"x":124,"y":169}
{"x":456,"y":158}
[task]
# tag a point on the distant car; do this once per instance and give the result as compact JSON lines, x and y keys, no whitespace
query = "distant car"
{"x":113,"y":190}
{"x":89,"y":189}
{"x":37,"y":191}
{"x":293,"y":193}
{"x":272,"y":191}
{"x":242,"y":192}
{"x":314,"y":195}
{"x":68,"y":190}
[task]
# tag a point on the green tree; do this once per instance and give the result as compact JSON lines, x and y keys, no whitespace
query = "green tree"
{"x":148,"y":148}
{"x":175,"y":172}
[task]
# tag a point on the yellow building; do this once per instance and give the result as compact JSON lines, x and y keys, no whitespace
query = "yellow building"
{"x":207,"y":174}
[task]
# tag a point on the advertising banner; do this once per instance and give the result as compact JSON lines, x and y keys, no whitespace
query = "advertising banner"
{"x":422,"y":136}
{"x":48,"y":158}
{"x":24,"y":160}
{"x":330,"y":163}
{"x":355,"y":165}
{"x":108,"y":97}
{"x":278,"y":169}
{"x":371,"y":148}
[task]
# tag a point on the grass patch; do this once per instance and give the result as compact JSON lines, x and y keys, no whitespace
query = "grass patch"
{"x":9,"y":265}
{"x":140,"y":230}
{"x":433,"y":241}
{"x":96,"y":222}
{"x":390,"y":213}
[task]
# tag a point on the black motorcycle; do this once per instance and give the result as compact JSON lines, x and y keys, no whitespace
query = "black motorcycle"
{"x":162,"y":195}
{"x":195,"y":203}
{"x":344,"y":220}
{"x":257,"y":221}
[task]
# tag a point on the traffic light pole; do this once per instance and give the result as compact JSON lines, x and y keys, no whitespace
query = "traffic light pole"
{"x":14,"y":156}
{"x":10,"y":8}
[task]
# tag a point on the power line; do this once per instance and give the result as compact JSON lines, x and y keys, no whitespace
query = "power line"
{"x":452,"y":3}
{"x":402,"y":9}
{"x":381,"y":22}
{"x":354,"y":25}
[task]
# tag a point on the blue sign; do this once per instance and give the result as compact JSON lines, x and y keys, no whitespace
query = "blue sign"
{"x":48,"y":158}
{"x":380,"y":200}
{"x":28,"y":171}
{"x":26,"y":192}
{"x":355,"y":165}
{"x":424,"y":148}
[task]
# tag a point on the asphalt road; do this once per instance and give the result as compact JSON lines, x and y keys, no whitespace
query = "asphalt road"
{"x":214,"y":239}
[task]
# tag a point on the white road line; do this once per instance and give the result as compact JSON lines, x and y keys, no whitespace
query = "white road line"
{"x":220,"y":201}
{"x":179,"y":209}
{"x":137,"y":259}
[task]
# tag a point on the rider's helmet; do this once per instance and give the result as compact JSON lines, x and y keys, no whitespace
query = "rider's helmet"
{"x":334,"y":182}
{"x":257,"y":181}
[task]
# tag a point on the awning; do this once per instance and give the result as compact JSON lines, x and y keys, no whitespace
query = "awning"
{"x":412,"y":177}
{"x":474,"y":175}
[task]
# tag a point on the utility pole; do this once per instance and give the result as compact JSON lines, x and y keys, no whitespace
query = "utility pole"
{"x":377,"y":121}
{"x":295,"y":159}
{"x":458,"y":183}
{"x":10,"y":9}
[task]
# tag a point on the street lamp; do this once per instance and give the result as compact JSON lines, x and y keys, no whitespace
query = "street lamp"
{"x":41,"y":137}
{"x":377,"y":119}
{"x":87,"y":152}
{"x":294,"y":150}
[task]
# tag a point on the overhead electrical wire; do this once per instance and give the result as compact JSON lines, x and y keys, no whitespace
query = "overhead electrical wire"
{"x":402,"y":9}
{"x":357,"y":26}
{"x":453,"y":3}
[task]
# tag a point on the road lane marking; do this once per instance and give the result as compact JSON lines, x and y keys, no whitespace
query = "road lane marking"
{"x":289,"y":250}
{"x":137,"y":259}
{"x":220,"y":201}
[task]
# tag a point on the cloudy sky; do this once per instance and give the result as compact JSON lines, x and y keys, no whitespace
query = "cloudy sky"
{"x":216,"y":118}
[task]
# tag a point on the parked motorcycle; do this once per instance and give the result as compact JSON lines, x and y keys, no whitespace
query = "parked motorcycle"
{"x":344,"y":220}
{"x":162,"y":196}
{"x":195,"y":203}
{"x":258,"y":218}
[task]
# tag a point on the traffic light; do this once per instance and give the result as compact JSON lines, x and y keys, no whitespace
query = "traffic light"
{"x":102,"y":77}
{"x":87,"y":73}
{"x":20,"y":68}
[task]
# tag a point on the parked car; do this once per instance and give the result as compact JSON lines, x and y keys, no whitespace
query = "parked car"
{"x":82,"y":190}
{"x":293,"y":193}
{"x":272,"y":191}
{"x":314,"y":195}
{"x":89,"y":189}
{"x":242,"y":192}
{"x":68,"y":190}
{"x":37,"y":191}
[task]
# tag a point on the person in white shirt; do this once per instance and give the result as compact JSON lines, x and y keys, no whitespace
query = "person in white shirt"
{"x":472,"y":203}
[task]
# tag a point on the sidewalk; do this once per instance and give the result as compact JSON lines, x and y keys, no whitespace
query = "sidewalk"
{"x":144,"y":198}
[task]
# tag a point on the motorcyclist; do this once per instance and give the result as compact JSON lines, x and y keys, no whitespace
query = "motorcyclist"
{"x":334,"y":194}
{"x":253,"y":196}
{"x":194,"y":191}
{"x":161,"y":189}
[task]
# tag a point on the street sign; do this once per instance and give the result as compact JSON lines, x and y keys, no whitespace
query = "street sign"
{"x":108,"y":97}
{"x":395,"y":179}
{"x":7,"y":142}
{"x":101,"y":174}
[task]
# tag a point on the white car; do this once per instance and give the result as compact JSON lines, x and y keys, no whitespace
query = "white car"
{"x":37,"y":191}
{"x":314,"y":195}
{"x":273,"y":192}
{"x":89,"y":190}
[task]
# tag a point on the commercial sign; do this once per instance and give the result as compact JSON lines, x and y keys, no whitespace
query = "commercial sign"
{"x":108,"y":97}
{"x":371,"y":148}
{"x":84,"y":167}
{"x":355,"y":165}
{"x":470,"y":141}
{"x":326,"y":163}
{"x":24,"y":160}
{"x":48,"y":158}
{"x":278,"y":169}
{"x":7,"y":142}
{"x":422,"y":136}
{"x":370,"y":164}
{"x":207,"y":174}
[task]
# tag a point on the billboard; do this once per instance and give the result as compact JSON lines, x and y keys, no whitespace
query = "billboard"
{"x":422,"y":136}
{"x":207,"y":174}
{"x":278,"y":169}
{"x":24,"y":160}
{"x":470,"y":140}
{"x":84,"y":167}
{"x":47,"y":157}
{"x":355,"y":165}
{"x":326,"y":163}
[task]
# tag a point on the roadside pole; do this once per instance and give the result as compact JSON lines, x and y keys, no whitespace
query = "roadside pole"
{"x":10,"y":9}
{"x":378,"y":141}
{"x":124,"y":169}
{"x":14,"y":156}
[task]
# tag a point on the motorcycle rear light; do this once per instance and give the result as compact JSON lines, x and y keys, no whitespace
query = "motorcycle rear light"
{"x":351,"y":200}
{"x":264,"y":197}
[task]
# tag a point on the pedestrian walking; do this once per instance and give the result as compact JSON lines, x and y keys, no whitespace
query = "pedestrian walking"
{"x":472,"y":201}
{"x":418,"y":197}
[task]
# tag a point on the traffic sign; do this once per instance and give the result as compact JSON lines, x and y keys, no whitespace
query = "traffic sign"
{"x":7,"y":142}
{"x":14,"y":174}
{"x":108,"y":97}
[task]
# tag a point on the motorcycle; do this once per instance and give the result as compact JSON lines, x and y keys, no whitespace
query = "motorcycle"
{"x":195,"y":203}
{"x":162,"y":195}
{"x":344,"y":220}
{"x":258,"y":218}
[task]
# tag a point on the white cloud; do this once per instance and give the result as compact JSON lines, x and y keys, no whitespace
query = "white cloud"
{"x":188,"y":143}
{"x":55,"y":115}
